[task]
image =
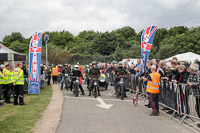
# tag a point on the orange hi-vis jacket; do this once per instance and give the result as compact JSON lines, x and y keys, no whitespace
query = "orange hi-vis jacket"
{"x":153,"y":86}
{"x":54,"y":71}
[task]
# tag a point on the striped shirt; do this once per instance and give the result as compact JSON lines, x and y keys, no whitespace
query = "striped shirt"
{"x":195,"y":79}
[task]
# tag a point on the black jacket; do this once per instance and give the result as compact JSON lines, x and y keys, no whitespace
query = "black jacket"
{"x":132,"y":71}
{"x":162,"y":72}
{"x":170,"y":73}
{"x":183,"y":77}
{"x":120,"y":71}
{"x":146,"y":74}
{"x":65,"y":71}
{"x":94,"y":72}
{"x":49,"y":71}
{"x":24,"y":69}
{"x":76,"y":73}
{"x":176,"y":75}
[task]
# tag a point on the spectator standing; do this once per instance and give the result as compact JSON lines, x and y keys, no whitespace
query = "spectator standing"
{"x":18,"y":79}
{"x":194,"y":82}
{"x":2,"y":67}
{"x":176,"y":75}
{"x":153,"y":90}
{"x":54,"y":74}
{"x":24,"y":68}
{"x":169,"y":71}
{"x":49,"y":72}
{"x":138,"y":67}
{"x":132,"y":71}
{"x":161,"y":69}
{"x":196,"y":61}
{"x":183,"y":77}
{"x":1,"y":84}
{"x":7,"y":82}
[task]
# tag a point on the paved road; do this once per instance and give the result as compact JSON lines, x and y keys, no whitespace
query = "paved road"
{"x":81,"y":115}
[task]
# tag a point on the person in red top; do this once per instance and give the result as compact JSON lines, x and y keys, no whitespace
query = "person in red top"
{"x":59,"y":68}
{"x":80,"y":68}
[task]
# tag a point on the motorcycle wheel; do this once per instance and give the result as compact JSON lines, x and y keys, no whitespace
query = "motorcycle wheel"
{"x":95,"y":91}
{"x":77,"y":91}
{"x":122,"y":93}
{"x":66,"y":85}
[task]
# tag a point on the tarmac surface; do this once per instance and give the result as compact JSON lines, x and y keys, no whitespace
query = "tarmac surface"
{"x":112,"y":115}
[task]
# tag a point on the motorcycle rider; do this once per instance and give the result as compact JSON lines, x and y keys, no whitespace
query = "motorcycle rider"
{"x":120,"y":71}
{"x":94,"y":73}
{"x":64,"y":71}
{"x":77,"y":73}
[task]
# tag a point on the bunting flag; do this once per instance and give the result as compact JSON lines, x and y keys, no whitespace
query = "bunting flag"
{"x":146,"y":43}
{"x":34,"y":63}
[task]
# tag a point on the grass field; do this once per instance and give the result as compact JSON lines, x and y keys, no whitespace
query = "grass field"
{"x":21,"y":119}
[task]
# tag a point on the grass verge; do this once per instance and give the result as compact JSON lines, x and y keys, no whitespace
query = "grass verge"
{"x":21,"y":119}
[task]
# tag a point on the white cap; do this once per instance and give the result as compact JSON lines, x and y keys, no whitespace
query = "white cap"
{"x":2,"y":65}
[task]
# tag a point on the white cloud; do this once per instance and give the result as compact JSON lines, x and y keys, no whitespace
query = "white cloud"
{"x":30,"y":16}
{"x":172,"y":4}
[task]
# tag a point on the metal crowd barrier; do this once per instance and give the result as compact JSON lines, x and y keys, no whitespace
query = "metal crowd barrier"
{"x":180,"y":98}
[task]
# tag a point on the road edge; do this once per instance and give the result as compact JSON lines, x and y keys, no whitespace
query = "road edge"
{"x":50,"y":119}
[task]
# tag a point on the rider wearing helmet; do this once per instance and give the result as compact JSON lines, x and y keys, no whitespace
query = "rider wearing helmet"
{"x":119,"y":71}
{"x":64,"y":71}
{"x":78,"y":73}
{"x":94,"y":73}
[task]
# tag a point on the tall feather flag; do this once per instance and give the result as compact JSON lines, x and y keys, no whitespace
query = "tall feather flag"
{"x":146,"y":43}
{"x":34,"y":63}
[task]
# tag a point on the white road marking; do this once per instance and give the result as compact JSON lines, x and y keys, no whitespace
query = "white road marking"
{"x":87,"y":98}
{"x":103,"y":104}
{"x":109,"y":94}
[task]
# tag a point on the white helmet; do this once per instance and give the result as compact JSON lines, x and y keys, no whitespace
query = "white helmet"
{"x":76,"y":66}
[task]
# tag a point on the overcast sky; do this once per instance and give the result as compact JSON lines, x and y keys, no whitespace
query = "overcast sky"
{"x":30,"y":16}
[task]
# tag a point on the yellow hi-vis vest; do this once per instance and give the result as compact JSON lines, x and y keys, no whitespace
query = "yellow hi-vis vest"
{"x":18,"y":76}
{"x":7,"y":76}
{"x":153,"y":86}
{"x":1,"y":78}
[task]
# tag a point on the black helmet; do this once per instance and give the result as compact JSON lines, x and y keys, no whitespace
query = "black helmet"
{"x":94,"y":62}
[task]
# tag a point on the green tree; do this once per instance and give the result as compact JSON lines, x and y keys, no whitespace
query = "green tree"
{"x":14,"y":36}
{"x":19,"y":47}
{"x":177,"y":30}
{"x":105,"y":43}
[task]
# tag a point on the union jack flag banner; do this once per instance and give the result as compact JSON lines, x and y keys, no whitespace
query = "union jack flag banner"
{"x":146,"y":43}
{"x":34,"y":63}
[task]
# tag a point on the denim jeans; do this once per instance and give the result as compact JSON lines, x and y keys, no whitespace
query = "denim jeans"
{"x":63,"y":79}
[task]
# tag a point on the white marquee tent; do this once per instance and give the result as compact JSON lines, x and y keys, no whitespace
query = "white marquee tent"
{"x":7,"y":54}
{"x":189,"y":57}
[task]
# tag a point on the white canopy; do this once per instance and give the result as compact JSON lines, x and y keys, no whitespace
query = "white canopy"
{"x":189,"y":57}
{"x":7,"y":54}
